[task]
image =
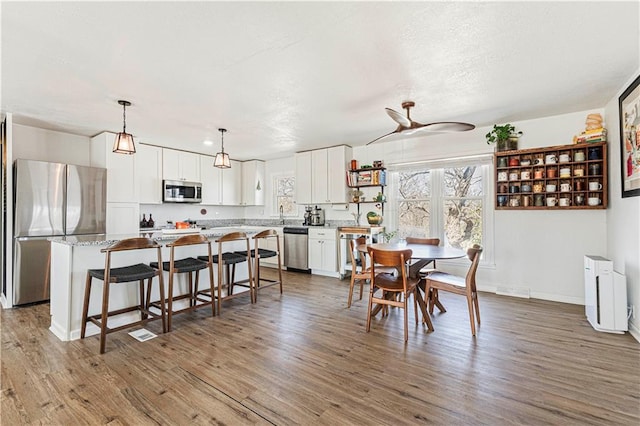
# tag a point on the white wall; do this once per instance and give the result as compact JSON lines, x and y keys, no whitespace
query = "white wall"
{"x":32,"y":143}
{"x":541,"y":251}
{"x":623,"y":216}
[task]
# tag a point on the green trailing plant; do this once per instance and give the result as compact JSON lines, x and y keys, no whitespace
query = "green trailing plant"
{"x":388,"y":235}
{"x":502,"y":133}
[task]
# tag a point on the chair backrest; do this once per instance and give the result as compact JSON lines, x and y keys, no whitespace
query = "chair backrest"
{"x":131,"y":244}
{"x":232,"y":236}
{"x":426,"y":241}
{"x":266,"y":234}
{"x":352,"y":249}
{"x":188,"y":240}
{"x":390,"y":258}
{"x":474,"y":255}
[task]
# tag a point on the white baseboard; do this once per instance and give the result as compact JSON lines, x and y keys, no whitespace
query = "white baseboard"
{"x":634,"y":331}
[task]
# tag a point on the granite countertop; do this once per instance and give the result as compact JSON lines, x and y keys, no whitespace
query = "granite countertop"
{"x":156,"y":235}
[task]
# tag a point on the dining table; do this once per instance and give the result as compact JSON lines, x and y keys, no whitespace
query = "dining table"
{"x":423,"y":253}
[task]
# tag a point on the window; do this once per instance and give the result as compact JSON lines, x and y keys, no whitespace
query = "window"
{"x":284,"y":194}
{"x":447,"y":200}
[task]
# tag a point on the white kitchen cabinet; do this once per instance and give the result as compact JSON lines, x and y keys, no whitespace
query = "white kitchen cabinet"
{"x":123,"y":218}
{"x":148,"y":168}
{"x":121,"y":185}
{"x":323,"y":253}
{"x":327,"y":171}
{"x":303,"y":177}
{"x":232,"y":184}
{"x":253,"y":183}
{"x":180,"y":165}
{"x":211,"y":178}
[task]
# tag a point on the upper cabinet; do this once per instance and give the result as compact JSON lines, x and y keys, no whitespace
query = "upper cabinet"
{"x":148,"y":170}
{"x":327,"y":175}
{"x":120,"y":168}
{"x":231,"y":184}
{"x":320,"y":175}
{"x":180,"y":165}
{"x":211,"y":178}
{"x":253,"y":183}
{"x":303,"y":177}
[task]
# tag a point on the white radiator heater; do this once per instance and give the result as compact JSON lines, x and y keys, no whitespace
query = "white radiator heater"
{"x":605,"y":294}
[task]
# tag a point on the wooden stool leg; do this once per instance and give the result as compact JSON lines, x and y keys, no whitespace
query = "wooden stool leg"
{"x":163,"y":309}
{"x":192,"y":300}
{"x":220,"y":284}
{"x":213,"y":294}
{"x":85,"y":306}
{"x":142,"y":300}
{"x":280,"y":271}
{"x":104,"y":316}
{"x":170,"y":301}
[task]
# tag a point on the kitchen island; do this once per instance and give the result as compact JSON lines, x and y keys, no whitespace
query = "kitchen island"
{"x":72,"y":256}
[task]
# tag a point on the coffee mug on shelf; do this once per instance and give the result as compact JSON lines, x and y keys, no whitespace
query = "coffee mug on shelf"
{"x":578,"y":172}
{"x":526,"y":201}
{"x":593,"y":201}
{"x":525,"y":162}
{"x":595,"y":186}
{"x":594,"y":153}
{"x":565,"y":172}
{"x":565,"y":187}
{"x":502,"y":176}
{"x":503,"y":188}
{"x":538,"y":161}
{"x":538,"y":200}
{"x":564,"y":202}
{"x":538,"y":174}
{"x":551,"y":173}
{"x":502,"y":162}
{"x":579,"y":200}
{"x":514,"y":189}
{"x":502,"y":200}
{"x":564,"y":158}
{"x":513,"y":176}
{"x":537,"y":187}
{"x":514,"y":202}
{"x":580,"y":185}
{"x":578,"y":156}
{"x":551,"y":188}
{"x":525,"y":188}
{"x":551,"y":201}
{"x":594,"y":169}
{"x":514,"y":161}
{"x":525,"y":175}
{"x":550,"y":159}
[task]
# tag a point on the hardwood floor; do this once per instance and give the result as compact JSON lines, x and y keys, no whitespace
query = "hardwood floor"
{"x":304,"y":358}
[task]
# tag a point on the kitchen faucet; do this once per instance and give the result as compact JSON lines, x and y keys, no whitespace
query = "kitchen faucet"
{"x":281,"y":215}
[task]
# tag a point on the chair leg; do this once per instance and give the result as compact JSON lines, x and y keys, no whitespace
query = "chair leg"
{"x":471,"y":318}
{"x":163,"y":309}
{"x":353,"y":281}
{"x":369,"y":308}
{"x":475,"y":302}
{"x":142,"y":300}
{"x":361,"y":288}
{"x":191,"y":285}
{"x":436,"y":301}
{"x":85,"y":306}
{"x":103,"y":316}
{"x":406,"y":320}
{"x":170,"y":301}
{"x":280,"y":272}
{"x":212,"y":289}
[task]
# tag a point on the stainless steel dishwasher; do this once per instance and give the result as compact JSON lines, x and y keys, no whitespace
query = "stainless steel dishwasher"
{"x":296,"y":248}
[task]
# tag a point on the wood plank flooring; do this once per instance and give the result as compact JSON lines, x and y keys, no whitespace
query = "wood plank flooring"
{"x":304,"y":358}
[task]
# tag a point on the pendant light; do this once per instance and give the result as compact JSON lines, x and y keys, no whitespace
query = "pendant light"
{"x":222,"y":160}
{"x":124,"y":141}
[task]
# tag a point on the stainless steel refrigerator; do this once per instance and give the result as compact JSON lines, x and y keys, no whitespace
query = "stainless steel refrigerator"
{"x":51,"y":200}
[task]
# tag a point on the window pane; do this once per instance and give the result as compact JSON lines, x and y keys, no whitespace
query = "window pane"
{"x":413,"y":218}
{"x":414,"y":185}
{"x":463,"y":223}
{"x":285,"y":185}
{"x":463,"y":182}
{"x":284,"y":191}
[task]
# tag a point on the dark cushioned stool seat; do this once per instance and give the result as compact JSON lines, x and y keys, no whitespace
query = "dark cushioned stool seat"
{"x":126,"y":273}
{"x":227,"y":257}
{"x":188,"y":264}
{"x":264,"y":253}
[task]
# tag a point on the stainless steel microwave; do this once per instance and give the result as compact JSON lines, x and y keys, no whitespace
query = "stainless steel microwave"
{"x":178,"y":191}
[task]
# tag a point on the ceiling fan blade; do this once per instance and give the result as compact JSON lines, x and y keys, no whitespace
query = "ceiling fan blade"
{"x":445,"y":126}
{"x":383,"y":136}
{"x":398,"y":118}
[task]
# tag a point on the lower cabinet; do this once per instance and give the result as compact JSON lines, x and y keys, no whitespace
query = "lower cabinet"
{"x":323,"y":253}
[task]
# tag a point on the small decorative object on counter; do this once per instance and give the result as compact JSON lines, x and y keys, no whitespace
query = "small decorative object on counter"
{"x":143,"y":222}
{"x":150,"y":223}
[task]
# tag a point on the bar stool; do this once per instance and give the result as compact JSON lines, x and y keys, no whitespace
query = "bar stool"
{"x":225,"y":260}
{"x":138,"y":272}
{"x":261,"y":253}
{"x":187,"y":265}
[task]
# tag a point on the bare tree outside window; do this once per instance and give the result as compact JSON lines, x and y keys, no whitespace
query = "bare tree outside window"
{"x":451,"y":198}
{"x":284,"y":191}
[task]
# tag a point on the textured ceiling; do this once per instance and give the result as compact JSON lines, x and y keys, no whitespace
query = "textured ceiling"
{"x":289,"y":76}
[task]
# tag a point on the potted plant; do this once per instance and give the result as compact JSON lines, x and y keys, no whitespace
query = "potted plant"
{"x":505,"y":137}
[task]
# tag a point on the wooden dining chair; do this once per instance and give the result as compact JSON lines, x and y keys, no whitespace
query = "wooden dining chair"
{"x":360,"y":268}
{"x":465,"y":286}
{"x":391,"y":285}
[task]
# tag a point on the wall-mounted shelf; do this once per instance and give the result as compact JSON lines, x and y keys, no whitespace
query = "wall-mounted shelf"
{"x":577,"y":174}
{"x":370,"y":177}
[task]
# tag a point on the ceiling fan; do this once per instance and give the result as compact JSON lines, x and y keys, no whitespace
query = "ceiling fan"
{"x":407,"y":126}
